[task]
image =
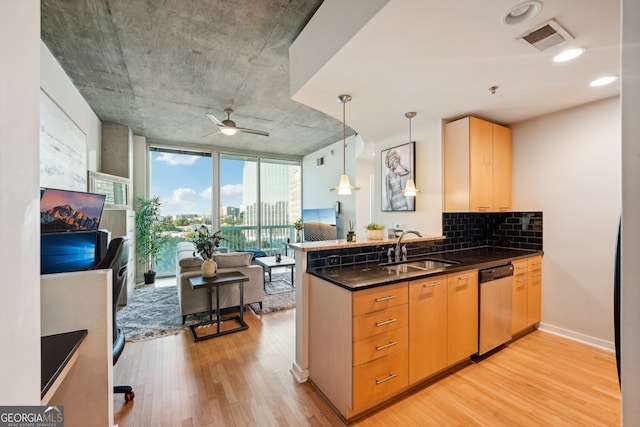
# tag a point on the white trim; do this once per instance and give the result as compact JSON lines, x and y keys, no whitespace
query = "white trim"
{"x":576,"y":336}
{"x":301,"y":375}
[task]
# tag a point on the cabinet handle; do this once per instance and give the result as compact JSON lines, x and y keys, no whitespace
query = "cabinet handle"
{"x":431,"y":285}
{"x":536,"y":276}
{"x":386,"y":322}
{"x":465,"y":277}
{"x":382,"y":347}
{"x":521,"y":267}
{"x":386,"y":298}
{"x":387,"y":378}
{"x":484,"y":208}
{"x":505,"y":208}
{"x":521,"y":280}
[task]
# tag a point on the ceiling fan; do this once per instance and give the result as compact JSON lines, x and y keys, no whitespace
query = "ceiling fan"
{"x":228,"y":126}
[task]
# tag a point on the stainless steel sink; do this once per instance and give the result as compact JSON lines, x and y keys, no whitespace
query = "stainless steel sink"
{"x":426,"y":265}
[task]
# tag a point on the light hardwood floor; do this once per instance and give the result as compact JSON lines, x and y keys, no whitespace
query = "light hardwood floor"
{"x":243,"y":379}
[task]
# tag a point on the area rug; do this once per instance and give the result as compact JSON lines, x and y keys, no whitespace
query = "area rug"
{"x":154,"y":312}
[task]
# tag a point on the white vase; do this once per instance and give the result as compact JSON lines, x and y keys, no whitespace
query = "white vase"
{"x":208,"y":268}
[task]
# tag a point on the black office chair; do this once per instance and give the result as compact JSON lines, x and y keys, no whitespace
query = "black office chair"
{"x":117,"y":258}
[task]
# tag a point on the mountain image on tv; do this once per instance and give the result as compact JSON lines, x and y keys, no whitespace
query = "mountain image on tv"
{"x":63,"y":210}
{"x":67,"y":218}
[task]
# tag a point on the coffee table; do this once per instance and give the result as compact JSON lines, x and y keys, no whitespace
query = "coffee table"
{"x":268,"y":262}
{"x":220,"y":279}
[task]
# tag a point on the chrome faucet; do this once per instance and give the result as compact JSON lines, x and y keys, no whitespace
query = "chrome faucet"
{"x":404,"y":252}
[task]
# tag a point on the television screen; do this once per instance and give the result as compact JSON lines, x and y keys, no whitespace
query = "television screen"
{"x":62,"y":252}
{"x":66,"y":210}
{"x":319,"y":224}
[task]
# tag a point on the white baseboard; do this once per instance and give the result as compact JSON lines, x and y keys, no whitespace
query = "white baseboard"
{"x":301,"y":375}
{"x":576,"y":336}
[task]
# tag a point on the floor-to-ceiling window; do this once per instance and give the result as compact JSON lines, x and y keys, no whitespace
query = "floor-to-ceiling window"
{"x":259,"y":201}
{"x":183,"y":181}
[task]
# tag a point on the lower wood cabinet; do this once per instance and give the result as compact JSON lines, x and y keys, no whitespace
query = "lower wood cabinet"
{"x":462,"y":316}
{"x":427,"y":327}
{"x":527,"y":293}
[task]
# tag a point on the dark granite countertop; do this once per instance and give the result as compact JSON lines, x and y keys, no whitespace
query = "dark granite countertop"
{"x":367,"y":275}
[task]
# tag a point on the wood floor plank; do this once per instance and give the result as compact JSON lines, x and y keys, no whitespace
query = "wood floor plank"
{"x":243,"y":379}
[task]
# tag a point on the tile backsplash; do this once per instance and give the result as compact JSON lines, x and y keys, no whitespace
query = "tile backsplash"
{"x":522,"y":230}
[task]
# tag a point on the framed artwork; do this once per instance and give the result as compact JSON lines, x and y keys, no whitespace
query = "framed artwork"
{"x":398,"y":165}
{"x":63,"y":149}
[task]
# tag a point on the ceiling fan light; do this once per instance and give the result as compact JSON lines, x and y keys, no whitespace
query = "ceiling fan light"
{"x":228,"y":131}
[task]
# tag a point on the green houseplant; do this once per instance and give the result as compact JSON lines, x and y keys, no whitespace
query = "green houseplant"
{"x":150,"y":238}
{"x":375,"y":231}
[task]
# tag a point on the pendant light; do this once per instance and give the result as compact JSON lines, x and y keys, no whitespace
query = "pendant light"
{"x":410,"y":189}
{"x":345,"y":187}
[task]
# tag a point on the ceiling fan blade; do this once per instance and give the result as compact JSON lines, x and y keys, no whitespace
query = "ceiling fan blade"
{"x":253,"y":131}
{"x":214,"y":120}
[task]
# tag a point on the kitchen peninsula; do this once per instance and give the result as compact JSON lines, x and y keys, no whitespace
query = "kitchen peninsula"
{"x":369,"y":330}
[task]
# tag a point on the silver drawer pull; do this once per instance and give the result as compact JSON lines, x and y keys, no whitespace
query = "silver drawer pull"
{"x":386,"y":322}
{"x":521,"y":267}
{"x":431,"y":285}
{"x":386,"y":298}
{"x":536,"y":276}
{"x":505,"y":208}
{"x":465,"y":277}
{"x":382,"y":347}
{"x":521,"y":280}
{"x":390,"y":377}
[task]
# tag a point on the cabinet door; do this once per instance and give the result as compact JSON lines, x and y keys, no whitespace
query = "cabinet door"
{"x":427,"y":327}
{"x":534,"y":291}
{"x":462,"y":316}
{"x":456,"y":166}
{"x":501,"y":168}
{"x":480,"y":165}
{"x":519,"y":304}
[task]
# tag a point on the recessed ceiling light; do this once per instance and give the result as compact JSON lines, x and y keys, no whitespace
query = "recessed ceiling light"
{"x":601,"y":81}
{"x":522,"y":12}
{"x":568,"y":55}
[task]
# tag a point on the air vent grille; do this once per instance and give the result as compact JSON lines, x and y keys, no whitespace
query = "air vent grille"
{"x":546,"y":36}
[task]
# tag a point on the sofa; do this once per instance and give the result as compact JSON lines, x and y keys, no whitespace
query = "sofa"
{"x":194,"y":301}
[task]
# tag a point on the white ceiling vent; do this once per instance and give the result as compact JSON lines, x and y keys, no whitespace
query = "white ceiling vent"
{"x":546,"y":36}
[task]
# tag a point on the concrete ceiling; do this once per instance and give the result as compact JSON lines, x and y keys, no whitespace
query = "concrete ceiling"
{"x":160,"y":66}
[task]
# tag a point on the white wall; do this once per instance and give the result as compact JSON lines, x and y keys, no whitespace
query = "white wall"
{"x":19,"y":182}
{"x":55,"y":83}
{"x":364,"y":157}
{"x":567,"y":164}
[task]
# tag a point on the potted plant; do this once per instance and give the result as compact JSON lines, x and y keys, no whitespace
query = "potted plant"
{"x":375,"y":231}
{"x":150,"y":238}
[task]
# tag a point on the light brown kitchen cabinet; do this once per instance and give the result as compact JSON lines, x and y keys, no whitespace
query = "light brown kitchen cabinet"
{"x":519,"y":296}
{"x":527,"y":293}
{"x":427,"y":327}
{"x":462,"y":316}
{"x":477,"y":166}
{"x":534,"y":291}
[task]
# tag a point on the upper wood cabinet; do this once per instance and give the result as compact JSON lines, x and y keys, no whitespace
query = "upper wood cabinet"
{"x":477,"y":166}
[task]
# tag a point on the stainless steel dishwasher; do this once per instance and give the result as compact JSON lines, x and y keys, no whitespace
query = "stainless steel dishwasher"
{"x":495,"y":307}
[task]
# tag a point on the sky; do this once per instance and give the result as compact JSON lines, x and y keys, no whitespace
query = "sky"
{"x":183,"y":182}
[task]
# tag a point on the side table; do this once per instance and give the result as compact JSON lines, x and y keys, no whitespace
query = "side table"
{"x":220,"y":279}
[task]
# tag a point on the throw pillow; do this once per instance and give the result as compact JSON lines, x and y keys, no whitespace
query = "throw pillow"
{"x":234,"y":259}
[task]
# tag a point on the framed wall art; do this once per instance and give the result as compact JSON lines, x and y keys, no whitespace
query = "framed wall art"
{"x":398,"y":165}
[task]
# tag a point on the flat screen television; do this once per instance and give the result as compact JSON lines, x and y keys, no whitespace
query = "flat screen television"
{"x":319,"y":224}
{"x":69,"y":235}
{"x":66,"y":210}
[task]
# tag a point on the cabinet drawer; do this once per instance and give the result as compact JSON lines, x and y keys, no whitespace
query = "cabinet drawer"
{"x":380,"y":345}
{"x":535,"y":263}
{"x":520,"y":266}
{"x":378,"y":322}
{"x":376,"y":380}
{"x":380,"y":298}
